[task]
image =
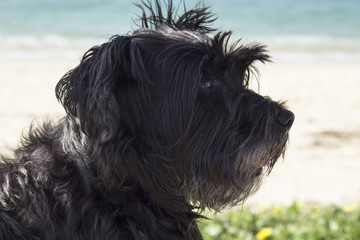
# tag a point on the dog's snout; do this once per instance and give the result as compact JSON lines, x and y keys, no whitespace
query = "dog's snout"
{"x":286,"y":118}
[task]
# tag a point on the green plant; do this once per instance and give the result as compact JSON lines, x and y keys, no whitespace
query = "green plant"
{"x":297,"y":222}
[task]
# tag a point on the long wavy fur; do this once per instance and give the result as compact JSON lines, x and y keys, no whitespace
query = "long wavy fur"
{"x":160,"y":125}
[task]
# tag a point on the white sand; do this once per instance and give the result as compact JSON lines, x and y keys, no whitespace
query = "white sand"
{"x":322,"y":164}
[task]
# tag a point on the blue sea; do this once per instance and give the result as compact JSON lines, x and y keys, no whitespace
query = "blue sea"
{"x":287,"y":26}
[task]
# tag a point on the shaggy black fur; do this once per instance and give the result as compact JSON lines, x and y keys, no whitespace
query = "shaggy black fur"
{"x":160,"y":125}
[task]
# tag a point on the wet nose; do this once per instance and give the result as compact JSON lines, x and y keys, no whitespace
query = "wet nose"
{"x":286,"y":118}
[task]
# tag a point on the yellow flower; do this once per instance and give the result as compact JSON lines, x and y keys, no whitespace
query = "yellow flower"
{"x":262,"y":208}
{"x":350,"y":208}
{"x":277,"y":209}
{"x":264,"y":233}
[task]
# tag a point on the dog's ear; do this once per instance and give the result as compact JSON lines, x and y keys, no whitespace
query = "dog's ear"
{"x":90,"y":92}
{"x":236,"y":59}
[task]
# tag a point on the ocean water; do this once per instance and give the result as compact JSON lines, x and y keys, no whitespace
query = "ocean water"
{"x":64,"y":27}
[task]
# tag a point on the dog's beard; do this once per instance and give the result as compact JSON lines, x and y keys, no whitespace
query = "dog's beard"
{"x":229,"y":179}
{"x":229,"y":160}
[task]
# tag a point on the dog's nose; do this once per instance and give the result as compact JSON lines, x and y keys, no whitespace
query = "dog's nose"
{"x":286,"y":118}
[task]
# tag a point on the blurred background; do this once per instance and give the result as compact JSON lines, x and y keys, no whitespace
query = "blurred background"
{"x":315,"y":48}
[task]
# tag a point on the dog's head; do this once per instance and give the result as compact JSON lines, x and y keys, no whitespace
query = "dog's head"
{"x":169,"y":107}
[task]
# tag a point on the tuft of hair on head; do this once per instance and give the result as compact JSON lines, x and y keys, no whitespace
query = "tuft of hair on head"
{"x":237,"y":58}
{"x":196,"y":19}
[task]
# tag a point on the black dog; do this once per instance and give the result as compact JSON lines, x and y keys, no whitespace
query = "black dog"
{"x":160,"y":125}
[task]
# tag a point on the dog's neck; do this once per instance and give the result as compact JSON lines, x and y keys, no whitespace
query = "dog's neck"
{"x":126,"y":200}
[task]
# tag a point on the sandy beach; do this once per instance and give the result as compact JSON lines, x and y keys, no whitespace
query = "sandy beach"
{"x":322,"y":163}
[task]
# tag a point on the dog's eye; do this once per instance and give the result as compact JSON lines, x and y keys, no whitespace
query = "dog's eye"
{"x":208,"y":84}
